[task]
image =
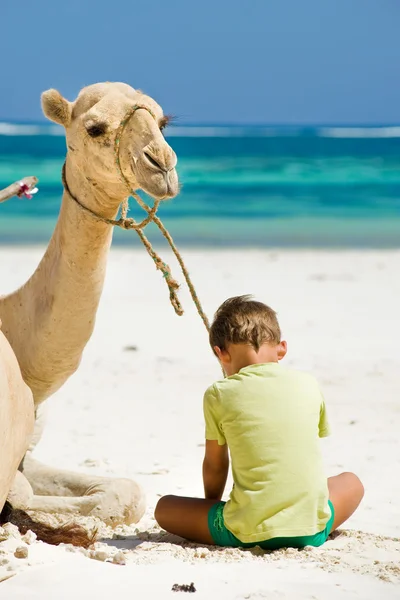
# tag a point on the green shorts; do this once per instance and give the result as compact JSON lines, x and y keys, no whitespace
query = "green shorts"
{"x":223,"y":537}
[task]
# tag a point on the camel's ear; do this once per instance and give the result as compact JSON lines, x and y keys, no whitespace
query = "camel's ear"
{"x":56,"y":108}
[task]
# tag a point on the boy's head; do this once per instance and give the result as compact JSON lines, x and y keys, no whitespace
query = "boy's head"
{"x":245,"y":332}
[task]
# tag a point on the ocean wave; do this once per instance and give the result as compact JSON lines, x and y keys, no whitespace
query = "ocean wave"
{"x":284,"y":132}
{"x":359,"y":132}
{"x":18,"y":129}
{"x":226,"y":131}
{"x":196,"y":131}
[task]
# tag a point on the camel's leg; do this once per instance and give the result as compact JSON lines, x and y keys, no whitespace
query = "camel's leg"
{"x":40,"y":422}
{"x":50,"y":481}
{"x":16,"y":417}
{"x":114,"y":501}
{"x":82,"y":505}
{"x":20,"y":495}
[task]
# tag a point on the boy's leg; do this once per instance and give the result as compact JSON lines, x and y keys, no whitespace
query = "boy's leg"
{"x":186,"y":517}
{"x":345,"y":492}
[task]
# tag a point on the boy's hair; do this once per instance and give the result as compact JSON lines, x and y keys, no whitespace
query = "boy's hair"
{"x":242,"y":320}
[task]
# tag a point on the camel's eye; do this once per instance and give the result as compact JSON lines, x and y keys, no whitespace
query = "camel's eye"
{"x":97,"y":129}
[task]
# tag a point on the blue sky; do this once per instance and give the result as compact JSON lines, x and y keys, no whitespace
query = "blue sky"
{"x":214,"y":61}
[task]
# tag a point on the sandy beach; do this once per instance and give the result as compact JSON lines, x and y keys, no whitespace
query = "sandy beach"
{"x":134,"y":409}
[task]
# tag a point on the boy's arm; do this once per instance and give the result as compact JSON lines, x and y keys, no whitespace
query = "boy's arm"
{"x":215,"y":469}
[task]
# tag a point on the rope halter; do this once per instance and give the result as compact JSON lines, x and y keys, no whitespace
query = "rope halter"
{"x":129,"y":223}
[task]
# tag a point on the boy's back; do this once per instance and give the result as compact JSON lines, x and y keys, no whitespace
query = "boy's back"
{"x":271,"y":419}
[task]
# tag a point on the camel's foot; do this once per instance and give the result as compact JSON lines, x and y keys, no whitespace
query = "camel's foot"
{"x":114,"y":501}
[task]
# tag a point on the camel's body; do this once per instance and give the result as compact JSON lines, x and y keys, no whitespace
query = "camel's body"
{"x":48,"y":321}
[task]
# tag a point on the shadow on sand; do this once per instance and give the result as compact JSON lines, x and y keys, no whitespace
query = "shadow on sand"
{"x":131,"y":542}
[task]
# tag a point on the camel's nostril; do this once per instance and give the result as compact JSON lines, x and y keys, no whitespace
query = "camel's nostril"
{"x":153,"y":162}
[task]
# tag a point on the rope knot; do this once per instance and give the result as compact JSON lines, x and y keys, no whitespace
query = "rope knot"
{"x":127,"y":223}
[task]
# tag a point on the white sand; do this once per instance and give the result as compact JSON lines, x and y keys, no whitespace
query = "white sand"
{"x":139,"y":414}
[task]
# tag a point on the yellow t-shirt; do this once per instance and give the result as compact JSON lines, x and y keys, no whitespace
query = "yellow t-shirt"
{"x":271,"y":419}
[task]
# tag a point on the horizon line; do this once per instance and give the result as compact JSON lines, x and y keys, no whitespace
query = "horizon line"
{"x":174,"y":124}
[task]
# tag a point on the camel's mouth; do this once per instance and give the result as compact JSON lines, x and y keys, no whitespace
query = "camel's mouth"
{"x":154,"y":179}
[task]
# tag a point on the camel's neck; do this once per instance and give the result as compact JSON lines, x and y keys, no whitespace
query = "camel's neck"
{"x":50,"y":319}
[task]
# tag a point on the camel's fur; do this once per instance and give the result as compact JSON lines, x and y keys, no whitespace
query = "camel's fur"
{"x":48,"y":321}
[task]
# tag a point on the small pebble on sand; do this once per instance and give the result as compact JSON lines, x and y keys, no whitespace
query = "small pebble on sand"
{"x":21,"y":552}
{"x":119,"y":558}
{"x":100,"y":555}
{"x":11,"y":530}
{"x":29,"y":537}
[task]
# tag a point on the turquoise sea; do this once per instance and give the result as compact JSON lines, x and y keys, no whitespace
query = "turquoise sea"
{"x":242,"y":186}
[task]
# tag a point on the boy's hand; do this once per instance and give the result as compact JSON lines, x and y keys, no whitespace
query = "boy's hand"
{"x":215,"y":469}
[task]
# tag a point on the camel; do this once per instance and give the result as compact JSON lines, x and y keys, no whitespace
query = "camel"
{"x":46,"y":324}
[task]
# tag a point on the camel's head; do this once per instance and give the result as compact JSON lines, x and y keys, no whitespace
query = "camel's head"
{"x":92,"y":124}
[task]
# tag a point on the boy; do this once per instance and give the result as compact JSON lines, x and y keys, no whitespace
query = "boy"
{"x":270,"y":418}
